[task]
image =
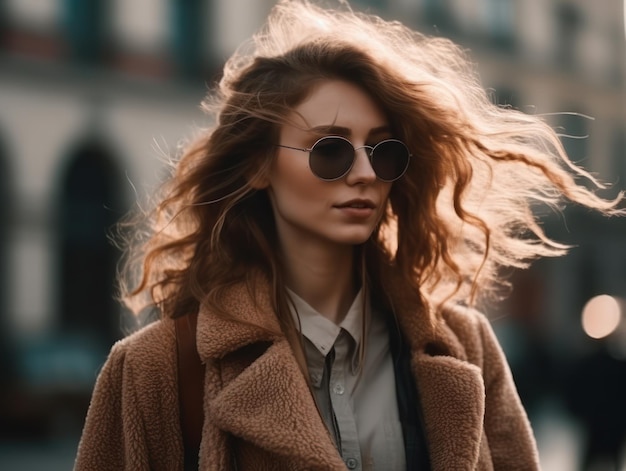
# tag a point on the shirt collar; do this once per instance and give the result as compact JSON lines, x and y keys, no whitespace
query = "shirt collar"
{"x":321,"y":331}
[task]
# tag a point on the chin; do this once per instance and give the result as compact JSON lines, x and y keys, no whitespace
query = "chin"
{"x":354,"y":239}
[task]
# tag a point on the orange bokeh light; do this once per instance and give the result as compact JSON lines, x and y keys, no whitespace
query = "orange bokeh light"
{"x":601,"y":316}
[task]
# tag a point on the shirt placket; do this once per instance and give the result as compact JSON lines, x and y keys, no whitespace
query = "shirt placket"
{"x":340,"y":399}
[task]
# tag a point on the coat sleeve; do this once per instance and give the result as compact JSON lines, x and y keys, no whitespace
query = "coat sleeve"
{"x":112,"y":437}
{"x":511,"y":441}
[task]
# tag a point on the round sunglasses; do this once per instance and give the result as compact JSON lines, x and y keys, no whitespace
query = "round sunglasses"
{"x":332,"y":157}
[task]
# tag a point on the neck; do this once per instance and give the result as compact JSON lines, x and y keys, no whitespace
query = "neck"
{"x":324,"y":278}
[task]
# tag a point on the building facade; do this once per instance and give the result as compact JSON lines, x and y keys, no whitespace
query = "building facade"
{"x":95,"y":97}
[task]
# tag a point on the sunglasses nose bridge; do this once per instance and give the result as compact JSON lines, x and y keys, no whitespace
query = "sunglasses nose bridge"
{"x":369,"y":151}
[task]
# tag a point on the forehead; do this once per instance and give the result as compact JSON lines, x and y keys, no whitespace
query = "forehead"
{"x":339,"y":103}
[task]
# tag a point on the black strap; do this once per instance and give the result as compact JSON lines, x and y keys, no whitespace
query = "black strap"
{"x":190,"y":388}
{"x":415,"y":444}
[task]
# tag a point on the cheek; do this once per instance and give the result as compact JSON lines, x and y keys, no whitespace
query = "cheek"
{"x":385,"y":190}
{"x":385,"y":199}
{"x":291,"y":181}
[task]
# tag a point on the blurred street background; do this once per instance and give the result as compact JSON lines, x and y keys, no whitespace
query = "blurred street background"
{"x":96,"y":95}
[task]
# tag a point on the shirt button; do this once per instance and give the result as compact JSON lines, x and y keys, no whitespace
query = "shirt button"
{"x":338,"y":389}
{"x":351,"y":463}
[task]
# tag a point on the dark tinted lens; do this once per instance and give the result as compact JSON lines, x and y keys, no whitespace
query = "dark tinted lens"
{"x":331,"y":158}
{"x":390,"y":159}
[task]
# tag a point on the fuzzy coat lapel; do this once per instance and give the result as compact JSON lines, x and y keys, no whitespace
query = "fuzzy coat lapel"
{"x":255,"y":390}
{"x":451,"y":389}
{"x":452,"y":398}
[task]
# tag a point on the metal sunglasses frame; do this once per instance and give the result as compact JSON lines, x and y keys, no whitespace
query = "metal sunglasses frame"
{"x":370,"y":156}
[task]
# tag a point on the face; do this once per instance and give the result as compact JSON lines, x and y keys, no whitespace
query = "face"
{"x":340,"y":212}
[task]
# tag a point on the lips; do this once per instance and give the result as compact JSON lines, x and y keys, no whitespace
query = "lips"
{"x":358,"y":204}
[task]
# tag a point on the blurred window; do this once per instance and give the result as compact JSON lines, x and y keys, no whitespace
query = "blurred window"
{"x":499,"y":15}
{"x":85,"y":24}
{"x":438,"y":13}
{"x":187,"y":31}
{"x":569,"y":26}
{"x":89,"y":206}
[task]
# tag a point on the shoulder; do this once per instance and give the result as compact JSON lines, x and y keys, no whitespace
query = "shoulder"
{"x":133,"y":414}
{"x":471,"y":331}
{"x":464,"y":321}
{"x":148,"y":350}
{"x":150,"y":340}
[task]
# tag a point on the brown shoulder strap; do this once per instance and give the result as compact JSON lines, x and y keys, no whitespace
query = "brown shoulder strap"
{"x":190,"y":387}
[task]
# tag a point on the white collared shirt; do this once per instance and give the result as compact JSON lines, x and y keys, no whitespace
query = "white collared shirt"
{"x":359,"y":408}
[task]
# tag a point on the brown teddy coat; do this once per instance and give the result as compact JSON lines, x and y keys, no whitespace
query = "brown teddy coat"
{"x":260,"y":414}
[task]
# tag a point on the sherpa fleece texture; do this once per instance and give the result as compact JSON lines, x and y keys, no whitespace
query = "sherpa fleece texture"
{"x":260,"y":415}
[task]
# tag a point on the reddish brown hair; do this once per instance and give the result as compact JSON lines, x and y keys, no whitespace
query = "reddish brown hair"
{"x":462,"y":211}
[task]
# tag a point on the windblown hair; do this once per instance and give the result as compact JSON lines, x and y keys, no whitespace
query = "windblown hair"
{"x":463,"y":210}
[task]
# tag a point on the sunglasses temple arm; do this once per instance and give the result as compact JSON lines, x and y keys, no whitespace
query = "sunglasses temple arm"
{"x":293,"y":148}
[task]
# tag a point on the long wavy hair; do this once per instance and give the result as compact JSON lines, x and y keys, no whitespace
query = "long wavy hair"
{"x":463,"y":210}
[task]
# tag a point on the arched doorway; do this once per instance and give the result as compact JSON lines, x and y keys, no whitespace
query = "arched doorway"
{"x":91,"y":202}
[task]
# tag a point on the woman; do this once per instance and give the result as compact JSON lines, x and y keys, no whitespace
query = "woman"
{"x":356,"y":196}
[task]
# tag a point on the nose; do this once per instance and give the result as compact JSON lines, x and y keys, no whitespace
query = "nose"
{"x":361,"y":171}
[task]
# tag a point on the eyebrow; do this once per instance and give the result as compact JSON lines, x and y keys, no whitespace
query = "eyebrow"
{"x":345,"y":132}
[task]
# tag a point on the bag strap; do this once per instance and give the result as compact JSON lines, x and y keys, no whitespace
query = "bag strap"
{"x":190,"y":387}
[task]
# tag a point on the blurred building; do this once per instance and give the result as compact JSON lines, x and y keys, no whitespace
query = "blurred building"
{"x":95,"y":96}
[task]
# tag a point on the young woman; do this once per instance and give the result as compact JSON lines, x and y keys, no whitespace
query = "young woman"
{"x":331,"y":232}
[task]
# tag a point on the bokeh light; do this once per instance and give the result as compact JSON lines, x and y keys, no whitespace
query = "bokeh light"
{"x":601,"y":316}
